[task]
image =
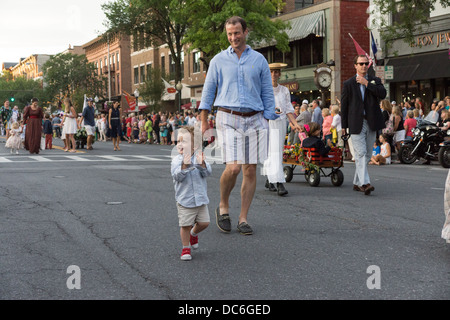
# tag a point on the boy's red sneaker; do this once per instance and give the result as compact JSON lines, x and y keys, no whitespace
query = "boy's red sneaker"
{"x":186,"y":254}
{"x":193,"y":241}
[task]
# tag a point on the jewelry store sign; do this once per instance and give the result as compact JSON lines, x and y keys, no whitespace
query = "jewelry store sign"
{"x":438,"y":40}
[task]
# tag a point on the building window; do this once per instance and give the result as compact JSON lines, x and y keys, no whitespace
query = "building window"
{"x":310,"y":51}
{"x":142,"y":74}
{"x":117,"y":60}
{"x":196,"y":64}
{"x":136,"y":75}
{"x":163,"y":65}
{"x":118,"y":83}
{"x":149,"y":70}
{"x":397,"y":17}
{"x":113,"y":86}
{"x":300,"y":4}
{"x":317,"y":50}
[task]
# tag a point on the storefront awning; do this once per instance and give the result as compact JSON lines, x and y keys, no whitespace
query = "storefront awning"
{"x":421,"y":67}
{"x":188,"y":106}
{"x":303,"y":26}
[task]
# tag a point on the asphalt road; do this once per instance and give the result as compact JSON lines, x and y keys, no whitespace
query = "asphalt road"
{"x":112,"y":215}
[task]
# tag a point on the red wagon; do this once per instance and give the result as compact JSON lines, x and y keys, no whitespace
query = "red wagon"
{"x":314,"y":165}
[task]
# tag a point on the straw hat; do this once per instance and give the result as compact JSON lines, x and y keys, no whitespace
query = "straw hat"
{"x":277,"y":66}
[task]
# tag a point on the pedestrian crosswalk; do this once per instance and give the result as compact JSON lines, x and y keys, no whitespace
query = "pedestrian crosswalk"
{"x":81,"y":158}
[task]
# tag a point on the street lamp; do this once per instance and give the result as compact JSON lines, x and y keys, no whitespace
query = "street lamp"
{"x":179,"y":87}
{"x":136,"y":94}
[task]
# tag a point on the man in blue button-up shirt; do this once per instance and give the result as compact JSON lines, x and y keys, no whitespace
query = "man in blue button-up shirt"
{"x":238,"y":82}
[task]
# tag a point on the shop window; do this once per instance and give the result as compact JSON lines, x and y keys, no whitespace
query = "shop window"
{"x":289,"y":56}
{"x":310,"y":51}
{"x":304,"y":56}
{"x":265,"y":53}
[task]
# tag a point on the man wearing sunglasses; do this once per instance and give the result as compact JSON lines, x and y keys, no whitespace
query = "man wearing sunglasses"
{"x":361,"y":114}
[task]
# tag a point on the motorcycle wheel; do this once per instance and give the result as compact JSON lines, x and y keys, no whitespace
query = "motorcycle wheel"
{"x":405,"y":156}
{"x":444,"y":157}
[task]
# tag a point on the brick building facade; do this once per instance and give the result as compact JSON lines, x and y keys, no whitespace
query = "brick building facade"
{"x":116,"y":69}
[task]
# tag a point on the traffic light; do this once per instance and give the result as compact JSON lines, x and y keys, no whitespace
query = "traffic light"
{"x":12,"y":99}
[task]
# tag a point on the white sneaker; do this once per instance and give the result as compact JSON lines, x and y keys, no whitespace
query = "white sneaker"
{"x":17,"y":151}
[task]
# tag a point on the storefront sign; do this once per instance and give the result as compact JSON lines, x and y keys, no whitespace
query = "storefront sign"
{"x":438,"y":39}
{"x":292,"y":86}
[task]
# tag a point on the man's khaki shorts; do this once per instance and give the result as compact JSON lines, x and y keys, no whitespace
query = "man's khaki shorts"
{"x":189,"y":216}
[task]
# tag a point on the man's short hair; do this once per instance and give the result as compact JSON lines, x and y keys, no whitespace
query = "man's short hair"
{"x":235,"y":20}
{"x":355,"y":60}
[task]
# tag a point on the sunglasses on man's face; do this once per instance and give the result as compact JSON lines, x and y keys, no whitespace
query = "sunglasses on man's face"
{"x":363,"y":63}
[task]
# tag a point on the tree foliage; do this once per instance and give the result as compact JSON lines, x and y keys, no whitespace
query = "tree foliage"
{"x":153,"y":89}
{"x":22,"y":90}
{"x":198,"y":23}
{"x":67,"y":74}
{"x":207,"y":23}
{"x":151,"y":23}
{"x":410,"y":17}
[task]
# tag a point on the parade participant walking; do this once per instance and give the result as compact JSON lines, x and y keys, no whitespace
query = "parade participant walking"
{"x":48,"y":131}
{"x":70,"y":125}
{"x":245,"y":101}
{"x":273,"y":166}
{"x":33,"y":119}
{"x":88,"y":116}
{"x":189,"y":172}
{"x":361,"y":114}
{"x":14,"y":141}
{"x":6,"y":113}
{"x":115,"y":127}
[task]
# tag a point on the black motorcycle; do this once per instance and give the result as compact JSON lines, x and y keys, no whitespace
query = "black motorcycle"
{"x":425,"y":143}
{"x":444,"y":152}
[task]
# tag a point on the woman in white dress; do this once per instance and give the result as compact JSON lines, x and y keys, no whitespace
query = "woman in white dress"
{"x":273,"y":166}
{"x":70,"y":124}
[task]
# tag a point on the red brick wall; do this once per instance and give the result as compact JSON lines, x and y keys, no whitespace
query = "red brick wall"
{"x":353,"y":18}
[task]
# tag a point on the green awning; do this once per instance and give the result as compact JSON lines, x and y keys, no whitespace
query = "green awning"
{"x":303,"y":26}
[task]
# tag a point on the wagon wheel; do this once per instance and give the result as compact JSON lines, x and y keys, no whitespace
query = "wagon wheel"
{"x":314,"y":178}
{"x":288,"y":173}
{"x":337,"y":178}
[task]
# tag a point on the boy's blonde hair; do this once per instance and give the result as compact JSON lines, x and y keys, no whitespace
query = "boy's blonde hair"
{"x":195,"y":133}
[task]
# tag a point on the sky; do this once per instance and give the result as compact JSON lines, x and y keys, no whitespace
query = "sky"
{"x":47,"y":26}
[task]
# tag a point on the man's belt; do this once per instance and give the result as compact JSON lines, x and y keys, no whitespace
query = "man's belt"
{"x":242,"y":114}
